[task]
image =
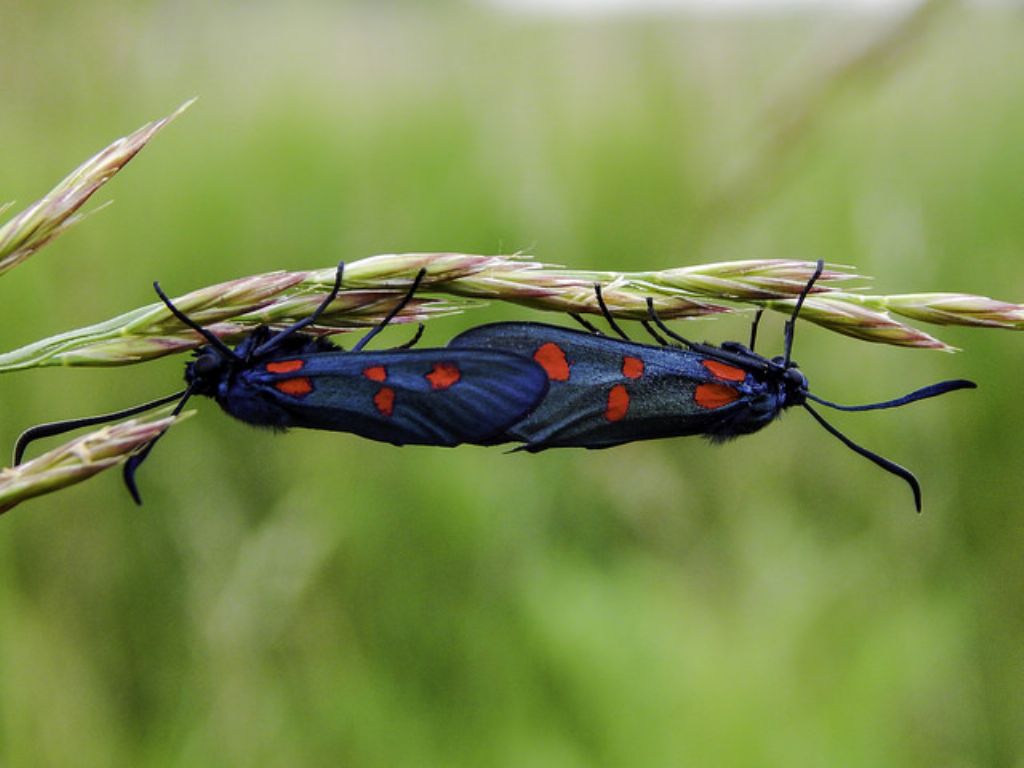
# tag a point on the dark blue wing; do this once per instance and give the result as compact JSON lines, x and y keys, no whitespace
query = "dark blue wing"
{"x":418,"y":396}
{"x":605,"y":391}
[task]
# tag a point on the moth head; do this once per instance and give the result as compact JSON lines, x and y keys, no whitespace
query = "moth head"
{"x":795,"y":384}
{"x":205,"y":372}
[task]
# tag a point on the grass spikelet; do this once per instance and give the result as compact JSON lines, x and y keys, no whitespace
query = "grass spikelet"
{"x":57,"y":211}
{"x":78,"y":459}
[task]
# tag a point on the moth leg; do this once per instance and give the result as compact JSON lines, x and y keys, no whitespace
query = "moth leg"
{"x":607,"y":314}
{"x":416,"y":337}
{"x":393,"y":313}
{"x":586,"y":324}
{"x":753,"y":328}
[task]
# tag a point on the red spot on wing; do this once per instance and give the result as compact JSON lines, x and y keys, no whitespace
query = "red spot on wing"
{"x":618,"y":403}
{"x":632,"y":367}
{"x":285,"y":366}
{"x":294,"y":387}
{"x":443,"y":375}
{"x":552,"y":359}
{"x":723,"y":371}
{"x":375,"y":373}
{"x":385,"y":401}
{"x":714,"y":395}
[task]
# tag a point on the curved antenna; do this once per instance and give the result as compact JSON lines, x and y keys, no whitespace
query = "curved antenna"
{"x":791,"y":323}
{"x":607,"y":314}
{"x":881,"y":461}
{"x":52,"y":428}
{"x":223,"y":348}
{"x":933,"y":390}
{"x":277,"y":338}
{"x":136,"y":459}
{"x":393,"y":313}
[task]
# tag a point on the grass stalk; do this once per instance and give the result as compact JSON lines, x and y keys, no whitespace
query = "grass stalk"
{"x":372,"y":285}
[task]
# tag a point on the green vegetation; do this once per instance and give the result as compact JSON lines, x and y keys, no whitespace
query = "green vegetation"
{"x":313,"y":599}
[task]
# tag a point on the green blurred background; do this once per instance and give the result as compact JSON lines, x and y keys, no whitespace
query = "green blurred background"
{"x":316,"y":599}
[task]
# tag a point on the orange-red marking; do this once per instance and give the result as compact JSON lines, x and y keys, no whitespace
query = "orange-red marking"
{"x":618,"y":403}
{"x":723,"y":371}
{"x":375,"y":373}
{"x":552,"y":359}
{"x":632,"y":367}
{"x":714,"y":395}
{"x":443,"y":375}
{"x":294,"y":387}
{"x":385,"y":401}
{"x":285,"y":366}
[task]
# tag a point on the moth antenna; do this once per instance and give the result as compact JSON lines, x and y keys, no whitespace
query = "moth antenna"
{"x":932,"y":390}
{"x":190,"y":323}
{"x":884,"y":463}
{"x":791,"y":323}
{"x":53,"y":428}
{"x":136,"y":459}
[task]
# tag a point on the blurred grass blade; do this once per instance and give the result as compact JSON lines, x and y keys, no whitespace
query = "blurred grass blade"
{"x":790,"y":114}
{"x":79,"y":459}
{"x":55,"y":212}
